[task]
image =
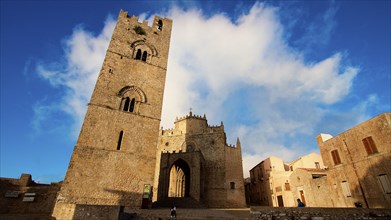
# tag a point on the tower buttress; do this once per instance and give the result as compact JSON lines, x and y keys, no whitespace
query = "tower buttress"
{"x":238,"y":145}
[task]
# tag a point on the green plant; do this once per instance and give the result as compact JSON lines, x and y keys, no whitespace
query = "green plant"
{"x":139,"y":30}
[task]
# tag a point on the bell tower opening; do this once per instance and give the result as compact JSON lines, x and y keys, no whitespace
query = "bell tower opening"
{"x":179,"y":185}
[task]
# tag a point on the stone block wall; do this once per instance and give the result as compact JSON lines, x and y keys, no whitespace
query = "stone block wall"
{"x":221,"y":163}
{"x":13,"y":192}
{"x":115,"y":153}
{"x":359,"y":170}
{"x":234,"y":176}
{"x":268,"y":213}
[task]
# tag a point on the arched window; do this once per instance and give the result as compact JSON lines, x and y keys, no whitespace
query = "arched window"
{"x":144,"y":51}
{"x":160,"y":25}
{"x":121,"y":135}
{"x":144,"y":56}
{"x":138,"y":54}
{"x":129,"y":104}
{"x":130,"y":99}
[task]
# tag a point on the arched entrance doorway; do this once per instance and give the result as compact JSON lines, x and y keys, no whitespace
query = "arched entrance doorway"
{"x":179,"y":185}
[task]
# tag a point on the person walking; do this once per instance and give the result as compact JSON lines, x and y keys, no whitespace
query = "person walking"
{"x":173,"y":211}
{"x":300,"y":203}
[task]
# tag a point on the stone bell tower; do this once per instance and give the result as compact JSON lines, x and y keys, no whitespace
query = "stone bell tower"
{"x":115,"y":155}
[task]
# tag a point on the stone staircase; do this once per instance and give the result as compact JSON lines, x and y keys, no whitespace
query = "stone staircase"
{"x":179,"y":202}
{"x":186,"y":214}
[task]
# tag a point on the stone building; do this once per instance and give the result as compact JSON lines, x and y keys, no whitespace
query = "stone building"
{"x":113,"y":162}
{"x":271,"y":184}
{"x":357,"y":171}
{"x":194,"y":160}
{"x":122,"y":159}
{"x":25,"y":197}
{"x":359,"y":163}
{"x":310,"y":186}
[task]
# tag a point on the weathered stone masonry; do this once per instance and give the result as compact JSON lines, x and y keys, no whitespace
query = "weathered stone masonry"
{"x":115,"y":153}
{"x":209,"y":170}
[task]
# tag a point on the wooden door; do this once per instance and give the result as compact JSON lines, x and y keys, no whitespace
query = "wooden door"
{"x":280,"y":201}
{"x":302,"y":196}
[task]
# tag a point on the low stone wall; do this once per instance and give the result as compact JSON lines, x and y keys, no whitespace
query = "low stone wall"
{"x":274,"y":213}
{"x":91,"y":212}
{"x":66,"y":211}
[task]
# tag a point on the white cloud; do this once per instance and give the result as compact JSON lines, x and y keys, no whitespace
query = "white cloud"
{"x":84,"y":54}
{"x":212,"y":59}
{"x":224,"y":55}
{"x":224,"y":69}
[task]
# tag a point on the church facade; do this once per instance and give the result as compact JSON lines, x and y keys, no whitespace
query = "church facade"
{"x":194,"y":160}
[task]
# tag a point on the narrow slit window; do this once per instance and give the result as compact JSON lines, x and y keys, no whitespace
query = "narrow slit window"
{"x":138,"y":54}
{"x":121,"y":135}
{"x":131,"y":106}
{"x":369,"y":145}
{"x":144,"y":58}
{"x":232,"y":185}
{"x":126,"y":104}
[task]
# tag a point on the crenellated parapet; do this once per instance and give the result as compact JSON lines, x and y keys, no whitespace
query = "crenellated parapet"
{"x":137,"y":41}
{"x":169,"y":132}
{"x":195,"y":124}
{"x":235,"y":146}
{"x":190,"y":115}
{"x":213,"y":129}
{"x":231,"y":145}
{"x":155,"y":26}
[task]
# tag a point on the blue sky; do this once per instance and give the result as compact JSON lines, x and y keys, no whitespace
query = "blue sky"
{"x":277,"y":73}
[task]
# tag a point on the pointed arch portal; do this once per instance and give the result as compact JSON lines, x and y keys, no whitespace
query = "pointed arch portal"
{"x":179,"y":181}
{"x":181,"y":176}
